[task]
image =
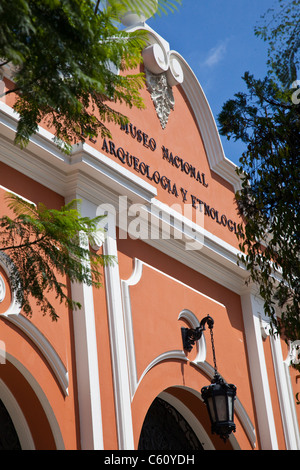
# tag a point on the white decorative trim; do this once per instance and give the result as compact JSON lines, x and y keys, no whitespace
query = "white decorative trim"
{"x":252,"y":312}
{"x":209,"y":371}
{"x":125,"y":286}
{"x":55,"y":429}
{"x":43,"y":345}
{"x":290,"y":397}
{"x":163,"y":71}
{"x":212,"y":256}
{"x":175,"y":73}
{"x":42,"y":161}
{"x":287,"y":406}
{"x":168,"y":355}
{"x":17,"y":417}
{"x":117,"y":338}
{"x":16,"y":194}
{"x":87,"y":369}
{"x":291,"y":432}
{"x":156,"y":59}
{"x":208,"y":128}
{"x":193,"y":323}
{"x":183,"y":284}
{"x":86,"y":357}
{"x":159,"y":59}
{"x":86,"y":352}
{"x":245,"y":421}
{"x":109,"y":173}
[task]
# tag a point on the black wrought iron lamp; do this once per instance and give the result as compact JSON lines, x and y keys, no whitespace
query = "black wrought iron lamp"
{"x":218,"y":396}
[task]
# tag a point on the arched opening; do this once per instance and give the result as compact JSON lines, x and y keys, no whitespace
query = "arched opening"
{"x":34,"y":430}
{"x":164,"y":428}
{"x":8,"y":436}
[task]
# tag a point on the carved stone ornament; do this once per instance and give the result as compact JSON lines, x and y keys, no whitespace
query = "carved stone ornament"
{"x":294,"y":352}
{"x":161,"y":94}
{"x":163,"y":71}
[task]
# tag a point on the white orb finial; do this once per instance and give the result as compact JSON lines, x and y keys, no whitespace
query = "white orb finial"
{"x":138,"y":11}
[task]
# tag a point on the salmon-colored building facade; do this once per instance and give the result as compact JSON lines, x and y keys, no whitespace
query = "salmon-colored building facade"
{"x":114,"y":375}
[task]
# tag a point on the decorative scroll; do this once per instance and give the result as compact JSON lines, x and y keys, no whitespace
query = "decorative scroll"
{"x":294,"y":353}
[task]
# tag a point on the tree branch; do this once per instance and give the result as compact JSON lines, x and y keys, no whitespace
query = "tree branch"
{"x":14,"y":90}
{"x":5,"y":62}
{"x":23,"y":245}
{"x":97,"y":6}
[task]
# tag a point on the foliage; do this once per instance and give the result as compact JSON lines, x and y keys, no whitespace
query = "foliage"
{"x":65,"y":54}
{"x":267,"y":120}
{"x":281,"y":31}
{"x":42,"y":246}
{"x":139,"y":5}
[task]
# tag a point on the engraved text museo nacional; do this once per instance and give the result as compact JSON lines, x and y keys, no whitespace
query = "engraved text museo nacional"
{"x":144,"y":169}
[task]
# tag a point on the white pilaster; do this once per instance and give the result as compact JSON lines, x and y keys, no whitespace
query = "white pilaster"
{"x":286,"y":401}
{"x":87,"y":367}
{"x":117,"y":334}
{"x":252,"y":310}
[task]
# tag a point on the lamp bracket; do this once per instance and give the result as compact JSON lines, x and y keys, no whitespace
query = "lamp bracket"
{"x":191,"y":335}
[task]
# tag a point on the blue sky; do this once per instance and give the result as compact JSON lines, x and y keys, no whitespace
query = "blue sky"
{"x":216,"y":38}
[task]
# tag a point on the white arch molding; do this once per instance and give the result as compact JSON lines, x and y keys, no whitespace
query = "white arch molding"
{"x":17,"y":417}
{"x":2,"y":289}
{"x":23,"y":427}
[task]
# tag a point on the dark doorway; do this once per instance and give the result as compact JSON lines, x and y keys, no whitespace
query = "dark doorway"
{"x":165,"y":428}
{"x":8,"y":437}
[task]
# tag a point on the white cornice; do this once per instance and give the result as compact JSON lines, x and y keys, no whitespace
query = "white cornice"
{"x":45,"y":163}
{"x":116,"y":178}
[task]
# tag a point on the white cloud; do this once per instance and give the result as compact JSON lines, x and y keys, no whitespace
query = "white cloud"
{"x":216,"y":54}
